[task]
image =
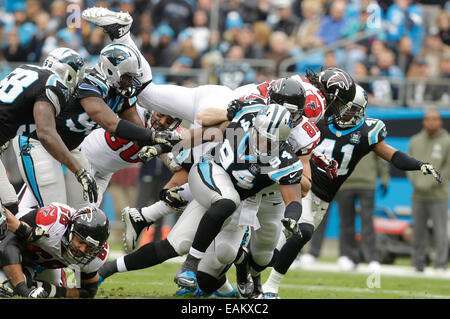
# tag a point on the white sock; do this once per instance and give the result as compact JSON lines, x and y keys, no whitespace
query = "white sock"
{"x":121,"y":264}
{"x":156,"y":211}
{"x":196,"y":253}
{"x":226,"y":288}
{"x":273,"y":282}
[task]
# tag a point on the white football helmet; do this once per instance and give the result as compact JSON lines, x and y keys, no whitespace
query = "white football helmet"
{"x":271,"y":129}
{"x":120,"y":65}
{"x":357,"y":111}
{"x":68,"y":65}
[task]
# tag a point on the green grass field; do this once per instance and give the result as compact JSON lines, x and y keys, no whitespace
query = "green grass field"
{"x":157,"y":283}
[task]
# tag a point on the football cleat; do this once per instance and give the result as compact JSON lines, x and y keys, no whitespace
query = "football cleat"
{"x":134,"y":225}
{"x":231,"y":294}
{"x":186,"y":279}
{"x":244,"y":286}
{"x":189,"y":293}
{"x":257,"y":288}
{"x":115,"y":24}
{"x":270,"y":295}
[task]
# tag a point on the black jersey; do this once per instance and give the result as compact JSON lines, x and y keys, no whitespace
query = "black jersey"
{"x":347,"y":147}
{"x":20,"y":90}
{"x":74,"y":124}
{"x":251,"y":173}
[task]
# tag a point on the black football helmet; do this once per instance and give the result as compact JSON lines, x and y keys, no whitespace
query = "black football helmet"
{"x":90,"y":226}
{"x":340,"y":88}
{"x":290,"y":94}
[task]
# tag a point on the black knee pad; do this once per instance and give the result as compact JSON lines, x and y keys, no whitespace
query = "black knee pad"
{"x":307,"y":231}
{"x":222,"y":209}
{"x":208,"y":283}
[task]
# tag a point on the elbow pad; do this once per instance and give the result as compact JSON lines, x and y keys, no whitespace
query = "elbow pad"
{"x":405,"y":162}
{"x":293,"y":211}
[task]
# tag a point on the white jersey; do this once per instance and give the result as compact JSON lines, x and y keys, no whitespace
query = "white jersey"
{"x":304,"y":137}
{"x":106,"y":153}
{"x":47,"y":252}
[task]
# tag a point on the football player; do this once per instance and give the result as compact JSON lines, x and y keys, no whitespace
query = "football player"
{"x":73,"y":238}
{"x":106,"y":91}
{"x":347,"y":139}
{"x":31,"y":96}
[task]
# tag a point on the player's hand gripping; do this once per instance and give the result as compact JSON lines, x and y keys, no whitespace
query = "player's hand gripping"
{"x":330,"y":166}
{"x":173,"y":199}
{"x":427,"y":168}
{"x":290,"y":227}
{"x":167,"y":137}
{"x":21,"y":289}
{"x":147,"y":153}
{"x":90,"y":188}
{"x":30,"y":234}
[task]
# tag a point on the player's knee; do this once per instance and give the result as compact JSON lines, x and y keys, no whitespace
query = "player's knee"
{"x":261,"y":259}
{"x":222,"y":209}
{"x":306,"y":230}
{"x":225,"y":253}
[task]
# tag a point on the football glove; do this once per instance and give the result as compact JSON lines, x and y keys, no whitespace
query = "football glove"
{"x":21,"y":289}
{"x":90,"y":188}
{"x":290,"y":227}
{"x":30,"y":234}
{"x":4,"y":147}
{"x":330,"y":166}
{"x":427,"y":168}
{"x":234,"y":107}
{"x":147,"y":153}
{"x":167,"y":137}
{"x":173,"y":199}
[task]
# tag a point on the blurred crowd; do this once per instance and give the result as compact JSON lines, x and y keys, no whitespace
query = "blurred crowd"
{"x":404,"y":39}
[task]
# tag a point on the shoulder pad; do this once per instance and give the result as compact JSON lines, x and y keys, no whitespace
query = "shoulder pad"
{"x":254,"y":108}
{"x":57,"y":92}
{"x":376,"y":130}
{"x":97,"y":262}
{"x":95,"y":82}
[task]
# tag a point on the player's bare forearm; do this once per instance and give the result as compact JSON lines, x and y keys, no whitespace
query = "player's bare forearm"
{"x":211,"y":116}
{"x":132,"y":116}
{"x":13,"y":222}
{"x":178,"y":178}
{"x":305,"y":182}
{"x":100,"y":113}
{"x":44,"y":117}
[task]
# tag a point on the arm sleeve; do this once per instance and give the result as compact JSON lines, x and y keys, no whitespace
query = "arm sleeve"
{"x":405,"y":162}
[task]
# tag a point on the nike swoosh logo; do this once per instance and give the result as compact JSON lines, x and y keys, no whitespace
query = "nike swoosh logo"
{"x":292,"y":175}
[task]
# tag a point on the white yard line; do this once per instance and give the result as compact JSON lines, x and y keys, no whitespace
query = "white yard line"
{"x":367,"y":291}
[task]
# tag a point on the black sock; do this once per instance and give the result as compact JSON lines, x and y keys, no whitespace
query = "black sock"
{"x":211,"y":223}
{"x":151,"y":254}
{"x":288,"y":253}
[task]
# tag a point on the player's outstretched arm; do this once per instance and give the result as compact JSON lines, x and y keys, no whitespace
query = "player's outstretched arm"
{"x":44,"y":116}
{"x":404,"y":161}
